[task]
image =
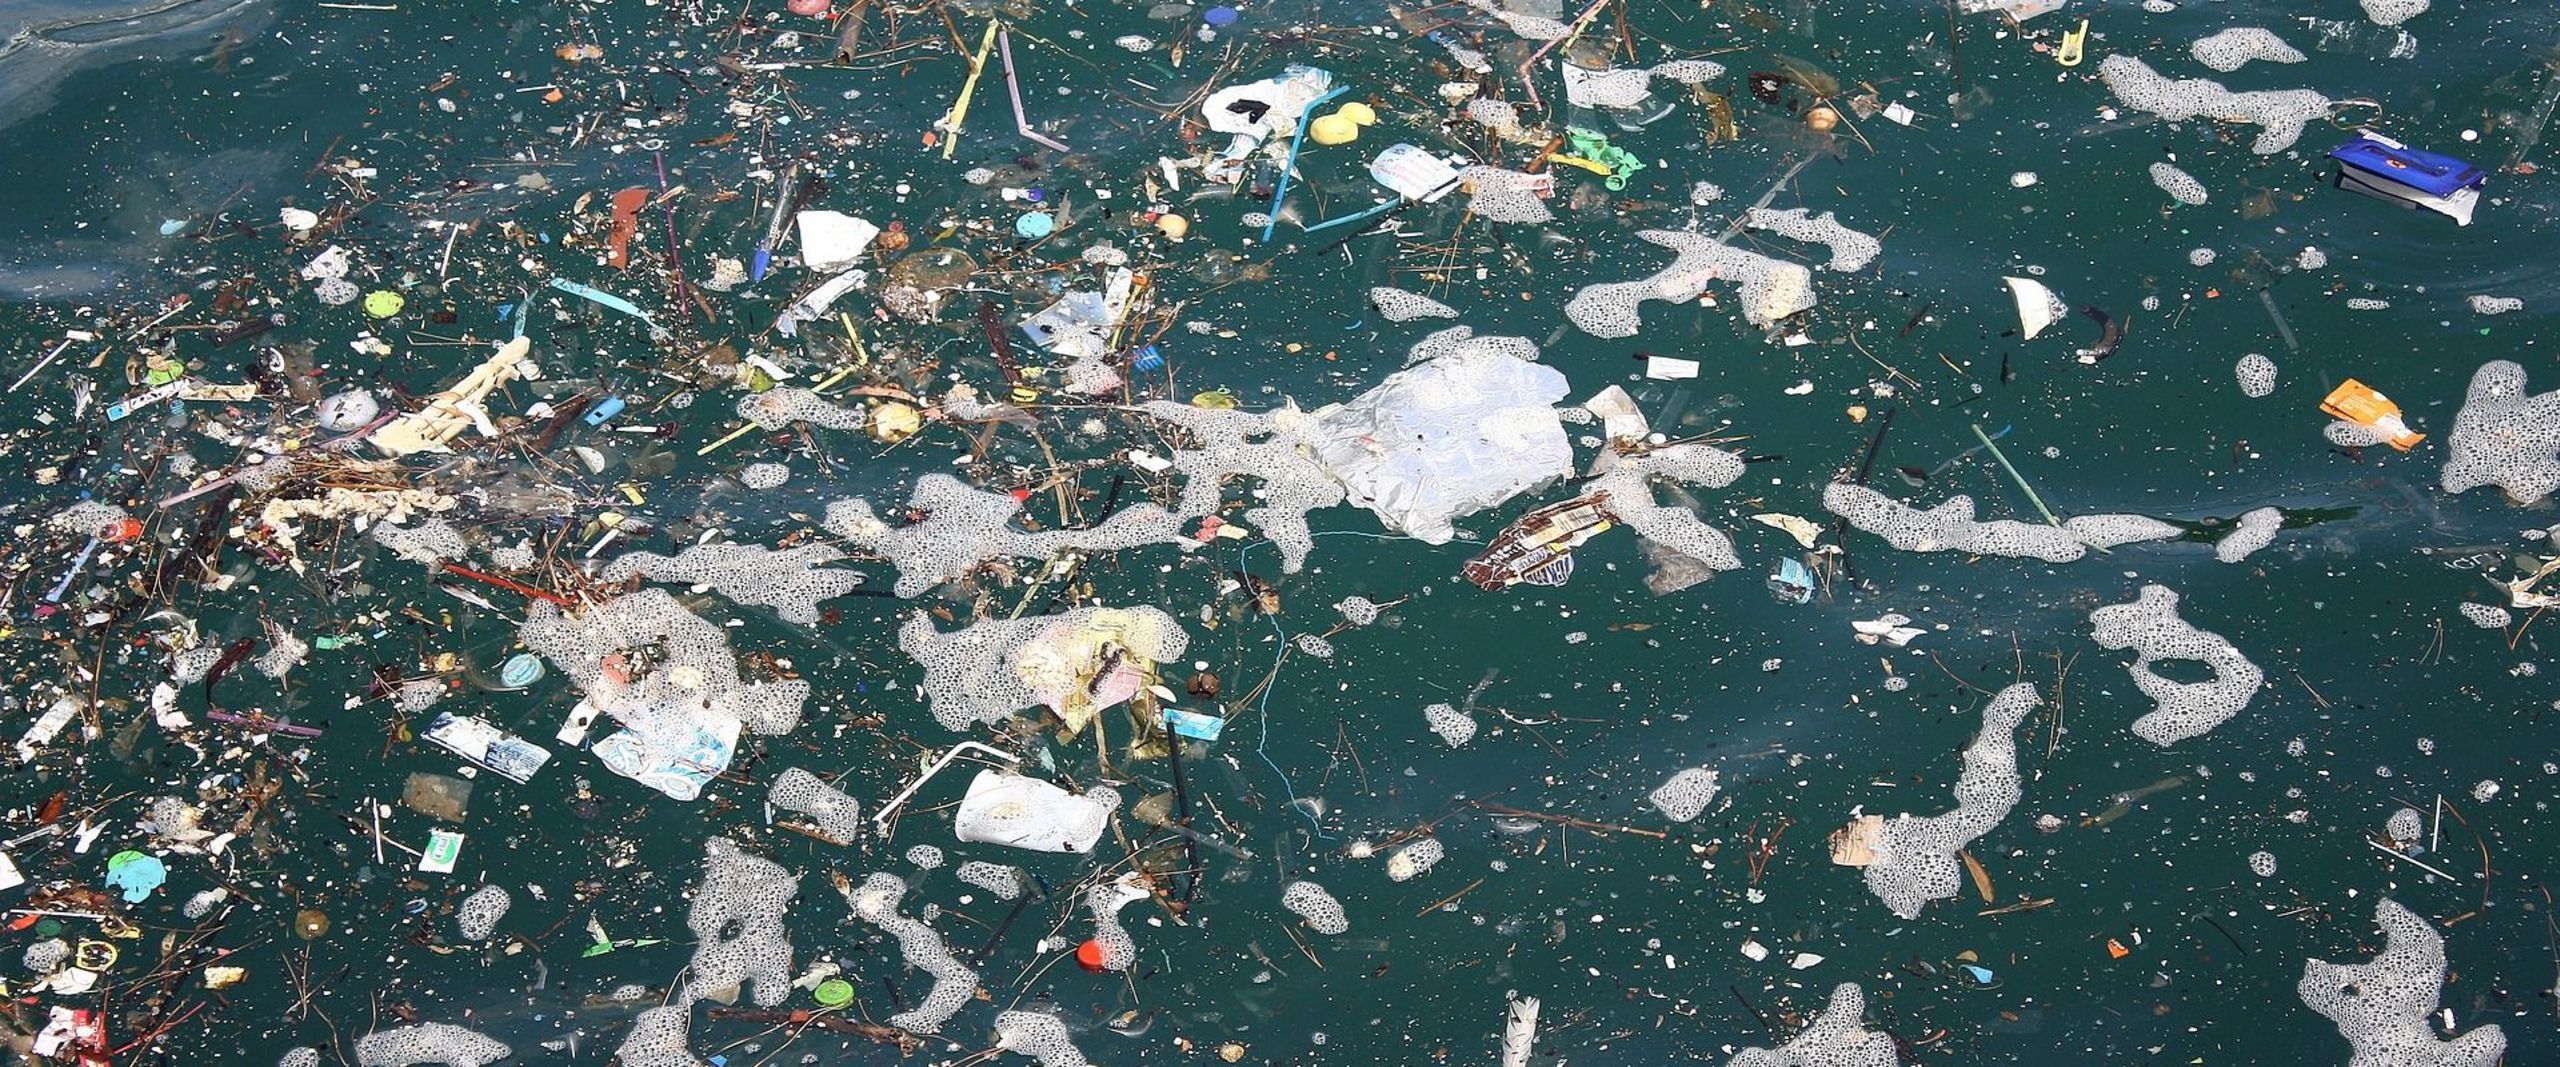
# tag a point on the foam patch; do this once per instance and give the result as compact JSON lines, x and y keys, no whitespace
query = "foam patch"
{"x":1915,"y":857}
{"x":1949,"y":527}
{"x":2383,"y":1006}
{"x":2233,"y":48}
{"x":2151,"y":627}
{"x":2280,"y":113}
{"x":789,"y":580}
{"x":2504,"y":436}
{"x":1835,"y":1038}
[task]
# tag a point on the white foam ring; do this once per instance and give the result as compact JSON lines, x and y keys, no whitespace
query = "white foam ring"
{"x":1771,"y":289}
{"x":1039,"y":1035}
{"x":85,"y":518}
{"x":1309,"y":901}
{"x":1835,"y":1038}
{"x":1850,"y":249}
{"x":1415,"y":859}
{"x":285,"y":651}
{"x":438,"y":1043}
{"x":2255,"y":530}
{"x":781,"y":406}
{"x":978,"y":674}
{"x":1686,"y":794}
{"x":1104,"y":901}
{"x":2180,"y":185}
{"x":2233,"y":48}
{"x":426,"y":542}
{"x":1949,"y":527}
{"x":789,"y":580}
{"x":2257,"y":375}
{"x":2393,"y":12}
{"x":2281,"y":113}
{"x":2487,"y":616}
{"x":2109,"y":531}
{"x":2504,"y":436}
{"x":1264,"y":445}
{"x":1630,"y":491}
{"x":1398,"y":305}
{"x":836,"y":813}
{"x":765,"y":475}
{"x":2382,"y":1006}
{"x":699,"y":675}
{"x":1454,"y":727}
{"x":477,"y":917}
{"x":658,"y":1038}
{"x":2151,"y":627}
{"x":964,"y":527}
{"x":1915,"y":857}
{"x":1003,"y":881}
{"x":1500,"y":195}
{"x":737,"y":915}
{"x":954,"y":983}
{"x":304,"y":1056}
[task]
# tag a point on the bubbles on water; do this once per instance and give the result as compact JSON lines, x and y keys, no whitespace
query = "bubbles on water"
{"x":1915,"y":857}
{"x":1835,"y":1038}
{"x":1398,"y":305}
{"x":1686,"y":793}
{"x":762,"y":476}
{"x":438,"y":1043}
{"x":2256,"y":529}
{"x":1414,"y":859}
{"x":478,"y":915}
{"x":836,"y":813}
{"x":2262,"y":864}
{"x":1309,"y":901}
{"x":2504,"y":436}
{"x":2233,"y":48}
{"x":2487,"y":616}
{"x":2282,"y":113}
{"x":1949,"y":527}
{"x":2150,"y":625}
{"x":789,"y":580}
{"x":1850,"y":249}
{"x":2257,"y":376}
{"x":1039,"y":1035}
{"x":2382,"y":1006}
{"x":954,"y":983}
{"x":2180,"y":185}
{"x":1454,"y":727}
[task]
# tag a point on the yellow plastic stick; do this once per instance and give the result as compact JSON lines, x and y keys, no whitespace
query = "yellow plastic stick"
{"x":960,"y":107}
{"x":723,"y":442}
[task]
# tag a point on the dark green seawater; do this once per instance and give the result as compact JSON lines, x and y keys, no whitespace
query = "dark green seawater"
{"x":144,"y":159}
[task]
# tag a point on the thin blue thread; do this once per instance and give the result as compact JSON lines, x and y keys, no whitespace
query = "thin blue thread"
{"x":1263,"y":705}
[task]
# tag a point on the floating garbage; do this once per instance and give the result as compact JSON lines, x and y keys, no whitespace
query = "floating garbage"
{"x":1303,"y":533}
{"x":2384,"y":169}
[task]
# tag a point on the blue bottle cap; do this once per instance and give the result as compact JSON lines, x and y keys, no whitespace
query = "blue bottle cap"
{"x":1219,"y":17}
{"x":520,"y":670}
{"x":1035,"y":225}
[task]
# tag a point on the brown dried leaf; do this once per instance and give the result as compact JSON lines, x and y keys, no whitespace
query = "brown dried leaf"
{"x":1981,"y":878}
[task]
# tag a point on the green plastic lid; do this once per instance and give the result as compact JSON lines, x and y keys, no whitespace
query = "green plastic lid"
{"x":833,"y":993}
{"x":383,"y":303}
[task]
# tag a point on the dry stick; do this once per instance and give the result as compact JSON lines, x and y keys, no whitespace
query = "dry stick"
{"x":1565,"y":820}
{"x":2477,"y":839}
{"x":1451,"y":898}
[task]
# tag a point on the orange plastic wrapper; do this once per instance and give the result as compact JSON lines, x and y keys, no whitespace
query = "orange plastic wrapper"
{"x":2358,"y":403}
